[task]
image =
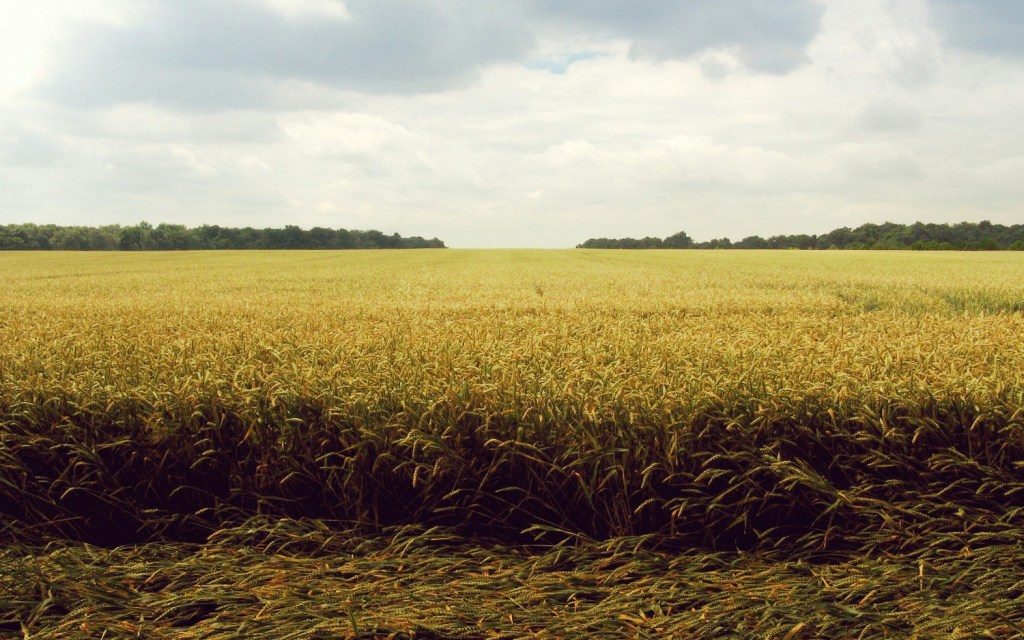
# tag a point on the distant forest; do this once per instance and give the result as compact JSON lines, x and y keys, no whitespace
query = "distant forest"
{"x":964,"y":236}
{"x":167,"y":237}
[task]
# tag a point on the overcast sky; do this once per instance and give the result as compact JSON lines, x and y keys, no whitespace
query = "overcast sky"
{"x":513,"y":122}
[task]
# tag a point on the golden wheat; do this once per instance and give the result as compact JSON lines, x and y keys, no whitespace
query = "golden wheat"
{"x":814,"y":407}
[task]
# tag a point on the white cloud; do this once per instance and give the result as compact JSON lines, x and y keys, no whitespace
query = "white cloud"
{"x":306,"y":9}
{"x":888,"y":115}
{"x":542,"y":126}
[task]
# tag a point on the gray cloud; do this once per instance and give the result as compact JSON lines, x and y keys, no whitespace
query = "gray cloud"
{"x":200,"y":55}
{"x":889,"y":116}
{"x":193,"y":53}
{"x":22,"y":146}
{"x":985,"y":26}
{"x":770,"y":35}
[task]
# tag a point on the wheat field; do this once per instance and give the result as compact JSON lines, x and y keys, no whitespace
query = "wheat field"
{"x":527,"y":443}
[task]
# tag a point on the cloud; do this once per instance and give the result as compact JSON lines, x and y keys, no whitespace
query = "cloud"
{"x":877,"y":162}
{"x":528,"y":123}
{"x":768,"y":35}
{"x":889,"y":116}
{"x":200,"y":55}
{"x":994,"y":27}
{"x":22,"y":146}
{"x":232,"y":53}
{"x":696,"y":163}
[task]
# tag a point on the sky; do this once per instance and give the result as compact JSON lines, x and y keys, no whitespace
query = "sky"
{"x":513,"y":123}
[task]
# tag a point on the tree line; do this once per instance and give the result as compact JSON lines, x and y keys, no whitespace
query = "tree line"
{"x":963,"y":236}
{"x":166,"y":237}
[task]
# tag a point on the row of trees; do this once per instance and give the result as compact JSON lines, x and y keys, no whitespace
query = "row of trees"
{"x":162,"y":237}
{"x":964,"y":236}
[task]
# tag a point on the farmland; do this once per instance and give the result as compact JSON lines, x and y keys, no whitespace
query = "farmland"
{"x":474,"y":444}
